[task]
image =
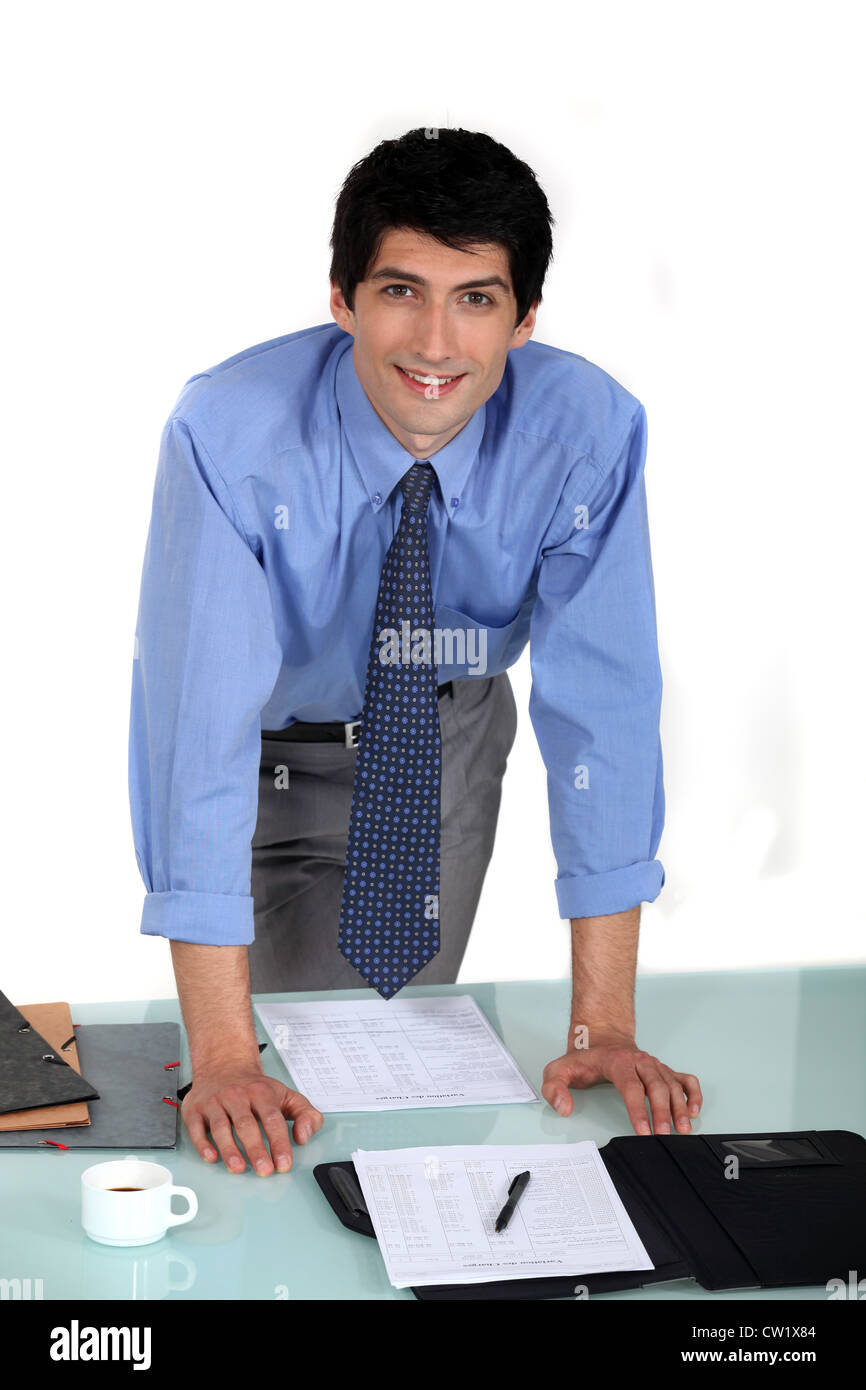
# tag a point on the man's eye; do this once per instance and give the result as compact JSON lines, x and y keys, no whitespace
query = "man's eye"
{"x":473,"y":295}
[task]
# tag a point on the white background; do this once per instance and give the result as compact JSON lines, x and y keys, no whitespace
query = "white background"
{"x":170,"y":174}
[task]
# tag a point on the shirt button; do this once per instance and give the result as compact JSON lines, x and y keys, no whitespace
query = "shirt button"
{"x":455,"y":501}
{"x":377,"y":498}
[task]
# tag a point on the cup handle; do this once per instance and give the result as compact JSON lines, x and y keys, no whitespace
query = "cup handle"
{"x":177,"y":1220}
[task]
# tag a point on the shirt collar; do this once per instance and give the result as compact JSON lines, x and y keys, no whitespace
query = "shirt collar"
{"x":382,"y":460}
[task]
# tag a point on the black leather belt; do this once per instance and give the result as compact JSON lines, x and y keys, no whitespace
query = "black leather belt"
{"x":335,"y":732}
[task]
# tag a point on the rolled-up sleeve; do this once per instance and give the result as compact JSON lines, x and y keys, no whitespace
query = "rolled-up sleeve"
{"x":596,"y":687}
{"x":205,"y":662}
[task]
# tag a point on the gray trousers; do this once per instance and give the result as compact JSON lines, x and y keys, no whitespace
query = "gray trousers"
{"x":299,"y":845}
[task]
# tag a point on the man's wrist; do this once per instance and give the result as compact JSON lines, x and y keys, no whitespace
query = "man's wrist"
{"x":597,"y":1032}
{"x":236,"y":1050}
{"x":213,"y":986}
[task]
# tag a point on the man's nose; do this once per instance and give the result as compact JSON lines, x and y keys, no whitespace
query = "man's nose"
{"x":433,"y":339}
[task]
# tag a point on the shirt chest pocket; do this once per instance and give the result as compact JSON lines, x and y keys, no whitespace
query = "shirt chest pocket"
{"x":464,"y":646}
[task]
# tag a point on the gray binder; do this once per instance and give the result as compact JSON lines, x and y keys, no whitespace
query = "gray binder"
{"x":126,"y":1062}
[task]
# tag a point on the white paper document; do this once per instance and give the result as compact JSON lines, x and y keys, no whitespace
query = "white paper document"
{"x":394,"y":1054}
{"x":434,"y":1212}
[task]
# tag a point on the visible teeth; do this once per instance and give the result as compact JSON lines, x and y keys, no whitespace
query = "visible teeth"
{"x":429,"y":380}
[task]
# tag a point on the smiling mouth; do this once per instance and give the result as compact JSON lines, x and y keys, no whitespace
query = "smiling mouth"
{"x":423,"y":382}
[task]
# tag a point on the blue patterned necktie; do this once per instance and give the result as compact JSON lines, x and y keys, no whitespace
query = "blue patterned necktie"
{"x":389,"y":920}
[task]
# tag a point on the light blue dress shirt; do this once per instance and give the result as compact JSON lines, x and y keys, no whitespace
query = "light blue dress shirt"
{"x":275,"y":502}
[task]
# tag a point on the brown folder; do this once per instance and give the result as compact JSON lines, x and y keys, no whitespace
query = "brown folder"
{"x":54,"y":1023}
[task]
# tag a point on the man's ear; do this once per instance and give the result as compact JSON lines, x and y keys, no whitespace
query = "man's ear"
{"x":340,"y":310}
{"x":523,"y":331}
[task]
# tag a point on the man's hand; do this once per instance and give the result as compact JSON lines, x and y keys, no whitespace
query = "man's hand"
{"x":239,"y":1098}
{"x":616,"y":1057}
{"x":230,"y":1094}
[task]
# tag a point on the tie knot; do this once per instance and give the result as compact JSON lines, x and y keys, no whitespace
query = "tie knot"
{"x":416,"y":486}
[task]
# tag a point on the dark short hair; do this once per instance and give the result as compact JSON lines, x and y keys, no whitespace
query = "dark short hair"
{"x":459,"y":186}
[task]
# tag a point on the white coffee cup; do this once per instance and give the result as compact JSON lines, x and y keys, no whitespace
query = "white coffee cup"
{"x":131,"y":1218}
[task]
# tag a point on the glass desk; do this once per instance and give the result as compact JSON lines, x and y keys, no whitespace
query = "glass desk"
{"x":773,"y":1050}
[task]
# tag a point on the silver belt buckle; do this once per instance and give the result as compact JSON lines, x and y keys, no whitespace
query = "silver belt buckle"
{"x":352,"y":731}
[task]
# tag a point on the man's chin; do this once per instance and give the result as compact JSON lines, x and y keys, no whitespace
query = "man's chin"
{"x":431,"y":419}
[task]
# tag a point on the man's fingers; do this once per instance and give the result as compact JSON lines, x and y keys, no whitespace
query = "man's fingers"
{"x":557,"y":1078}
{"x":638,"y":1077}
{"x":307,"y":1119}
{"x":197,"y":1132}
{"x":557,"y":1094}
{"x":634,"y":1095}
{"x":306,"y":1125}
{"x":691,"y":1086}
{"x":677,"y":1099}
{"x":238,"y":1102}
{"x":273,"y":1122}
{"x":220,"y":1128}
{"x":252,"y":1118}
{"x":658,"y":1093}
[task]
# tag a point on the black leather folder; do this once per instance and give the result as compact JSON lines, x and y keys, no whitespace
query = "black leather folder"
{"x":731,"y":1211}
{"x":33,"y":1074}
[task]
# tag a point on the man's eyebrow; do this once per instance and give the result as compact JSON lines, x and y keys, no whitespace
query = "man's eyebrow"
{"x":390,"y":272}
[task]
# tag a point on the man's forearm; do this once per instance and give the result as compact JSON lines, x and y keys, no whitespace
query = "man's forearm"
{"x":603,"y":963}
{"x":213,"y":985}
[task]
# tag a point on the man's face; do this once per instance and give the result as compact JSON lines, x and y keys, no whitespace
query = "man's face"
{"x":435,"y":312}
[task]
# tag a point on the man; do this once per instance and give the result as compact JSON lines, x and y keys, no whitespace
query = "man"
{"x":314,"y":801}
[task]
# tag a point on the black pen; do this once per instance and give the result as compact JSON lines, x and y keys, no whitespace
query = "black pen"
{"x":515,"y":1192}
